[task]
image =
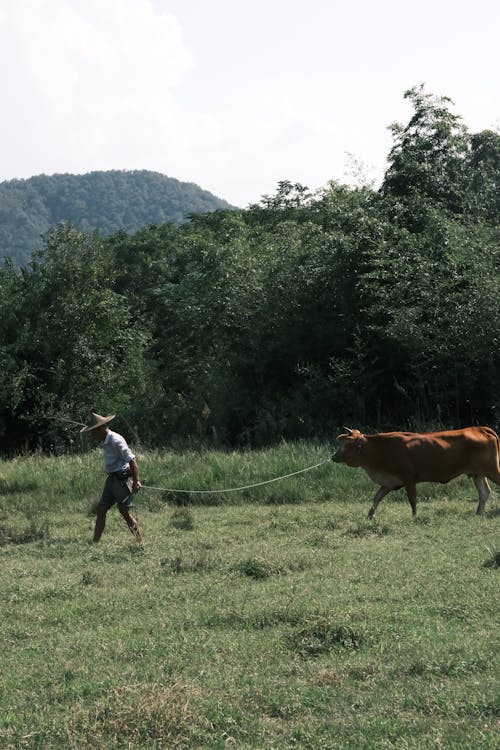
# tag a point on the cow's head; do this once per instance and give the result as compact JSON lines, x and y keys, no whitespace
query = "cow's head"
{"x":349,"y":448}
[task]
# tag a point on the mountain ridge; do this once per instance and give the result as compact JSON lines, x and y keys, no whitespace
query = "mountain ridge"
{"x":103,"y":200}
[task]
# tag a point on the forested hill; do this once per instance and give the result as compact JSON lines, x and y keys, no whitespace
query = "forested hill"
{"x":107,"y":201}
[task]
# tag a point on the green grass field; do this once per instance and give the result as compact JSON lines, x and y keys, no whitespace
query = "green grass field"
{"x":272,"y":618}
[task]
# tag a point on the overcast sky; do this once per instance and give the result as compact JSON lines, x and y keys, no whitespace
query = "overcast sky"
{"x":234,"y":95}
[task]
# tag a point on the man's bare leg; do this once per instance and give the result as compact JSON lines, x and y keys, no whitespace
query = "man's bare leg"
{"x":131,"y":523}
{"x":100,"y":522}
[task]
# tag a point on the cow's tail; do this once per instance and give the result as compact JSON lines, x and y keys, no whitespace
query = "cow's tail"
{"x":492,"y":434}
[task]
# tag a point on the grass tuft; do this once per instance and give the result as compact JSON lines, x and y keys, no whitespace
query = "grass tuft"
{"x":257,"y":567}
{"x":182,"y":519}
{"x":182,"y":564}
{"x":16,"y":486}
{"x":89,"y":578}
{"x":367,"y":528}
{"x":160,"y":716}
{"x":493,"y":560}
{"x":32,"y":533}
{"x":256,"y":620}
{"x":320,"y":635}
{"x":421,"y":521}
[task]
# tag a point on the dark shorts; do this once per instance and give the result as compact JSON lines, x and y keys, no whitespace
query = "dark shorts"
{"x":117,"y":490}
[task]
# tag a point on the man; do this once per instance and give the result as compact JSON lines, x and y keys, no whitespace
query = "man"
{"x":121,"y":467}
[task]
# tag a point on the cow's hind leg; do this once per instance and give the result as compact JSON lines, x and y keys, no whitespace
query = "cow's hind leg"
{"x":483,"y":489}
{"x":382,"y":492}
{"x":411,"y":491}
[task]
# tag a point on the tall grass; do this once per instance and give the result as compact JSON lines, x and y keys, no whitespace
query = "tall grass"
{"x":276,"y":618}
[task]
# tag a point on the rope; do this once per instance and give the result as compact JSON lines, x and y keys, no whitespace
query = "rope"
{"x":237,"y":489}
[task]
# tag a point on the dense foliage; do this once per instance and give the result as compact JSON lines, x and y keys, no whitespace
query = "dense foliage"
{"x":308,"y":311}
{"x":107,"y":201}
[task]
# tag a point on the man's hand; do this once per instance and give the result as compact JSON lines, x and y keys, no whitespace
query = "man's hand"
{"x":136,"y":486}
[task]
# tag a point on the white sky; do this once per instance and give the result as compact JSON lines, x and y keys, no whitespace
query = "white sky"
{"x":233,"y":95}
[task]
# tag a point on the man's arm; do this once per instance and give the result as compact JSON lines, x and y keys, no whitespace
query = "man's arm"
{"x":134,"y":470}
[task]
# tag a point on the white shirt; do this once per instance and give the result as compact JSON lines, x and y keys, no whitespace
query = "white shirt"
{"x":117,"y":454}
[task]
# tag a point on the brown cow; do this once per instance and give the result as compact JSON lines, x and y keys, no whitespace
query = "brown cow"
{"x":402,"y":459}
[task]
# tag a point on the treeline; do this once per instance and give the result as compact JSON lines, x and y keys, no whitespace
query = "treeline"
{"x":107,"y":201}
{"x":375,"y":309}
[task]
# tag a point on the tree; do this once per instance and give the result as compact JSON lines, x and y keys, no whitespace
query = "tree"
{"x":429,"y":158}
{"x":484,"y":187}
{"x":75,"y":347}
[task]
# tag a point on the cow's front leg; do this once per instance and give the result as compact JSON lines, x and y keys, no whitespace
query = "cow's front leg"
{"x":382,"y":492}
{"x":411,"y":491}
{"x":483,"y":489}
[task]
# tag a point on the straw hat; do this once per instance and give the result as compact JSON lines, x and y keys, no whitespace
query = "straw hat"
{"x":96,"y":421}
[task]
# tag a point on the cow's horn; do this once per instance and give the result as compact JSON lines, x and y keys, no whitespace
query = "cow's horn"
{"x":348,"y":429}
